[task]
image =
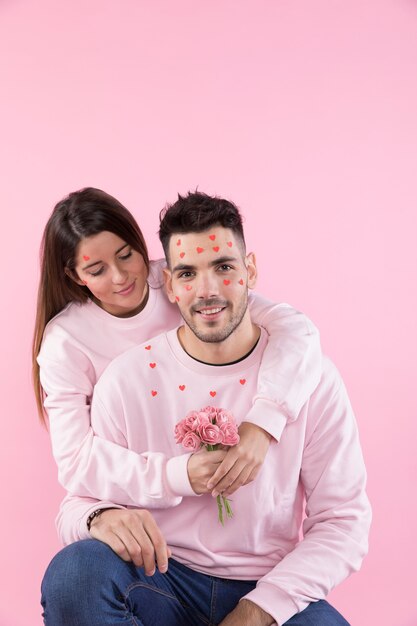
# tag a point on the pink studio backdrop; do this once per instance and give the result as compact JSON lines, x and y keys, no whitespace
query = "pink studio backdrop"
{"x":304,"y":113}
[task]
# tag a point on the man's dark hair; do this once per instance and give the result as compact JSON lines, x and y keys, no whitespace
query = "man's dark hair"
{"x":197,"y":212}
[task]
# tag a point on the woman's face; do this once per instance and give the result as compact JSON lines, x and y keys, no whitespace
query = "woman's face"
{"x":113,"y":271}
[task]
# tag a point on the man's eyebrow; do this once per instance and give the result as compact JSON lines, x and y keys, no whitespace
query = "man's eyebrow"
{"x":86,"y":267}
{"x":184,"y":267}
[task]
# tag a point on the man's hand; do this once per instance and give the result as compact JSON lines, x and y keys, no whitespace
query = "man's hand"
{"x":242,"y":462}
{"x":247,"y":613}
{"x":134,"y":535}
{"x":201,"y":467}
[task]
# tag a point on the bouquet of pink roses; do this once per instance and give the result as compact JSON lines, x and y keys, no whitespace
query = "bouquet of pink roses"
{"x":209,"y":427}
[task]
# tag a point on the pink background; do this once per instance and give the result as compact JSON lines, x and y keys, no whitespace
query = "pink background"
{"x":305,"y":114}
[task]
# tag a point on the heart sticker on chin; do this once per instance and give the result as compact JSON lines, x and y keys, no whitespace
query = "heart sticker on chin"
{"x":182,"y":255}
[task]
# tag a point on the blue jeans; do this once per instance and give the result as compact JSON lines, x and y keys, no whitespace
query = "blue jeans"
{"x":87,"y":584}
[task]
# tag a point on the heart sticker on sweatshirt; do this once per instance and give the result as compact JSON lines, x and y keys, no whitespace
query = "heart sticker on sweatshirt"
{"x":154,"y":393}
{"x":152,"y":365}
{"x":147,"y":347}
{"x":213,"y":393}
{"x":242,"y":381}
{"x":181,"y":387}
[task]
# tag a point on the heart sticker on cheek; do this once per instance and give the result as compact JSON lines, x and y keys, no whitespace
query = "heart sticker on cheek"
{"x":230,"y":244}
{"x":188,"y":287}
{"x":212,"y":237}
{"x":216,"y":248}
{"x":86,"y":258}
{"x":182,"y":255}
{"x":226,"y":282}
{"x":85,"y":282}
{"x":177,"y":298}
{"x":241,"y":281}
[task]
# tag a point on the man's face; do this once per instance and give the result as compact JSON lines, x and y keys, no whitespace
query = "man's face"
{"x":208,"y":278}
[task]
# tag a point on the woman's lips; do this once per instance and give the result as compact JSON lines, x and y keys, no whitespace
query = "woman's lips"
{"x":127,"y":291}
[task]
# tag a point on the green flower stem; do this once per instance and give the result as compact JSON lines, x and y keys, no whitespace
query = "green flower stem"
{"x":220,"y":509}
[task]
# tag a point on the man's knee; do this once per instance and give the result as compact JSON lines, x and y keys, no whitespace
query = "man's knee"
{"x":74,"y":568}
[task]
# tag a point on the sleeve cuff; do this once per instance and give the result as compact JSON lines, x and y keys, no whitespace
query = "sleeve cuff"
{"x":267,"y":415}
{"x":274,"y":601}
{"x":177,"y":476}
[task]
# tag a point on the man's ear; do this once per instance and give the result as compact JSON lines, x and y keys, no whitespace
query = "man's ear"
{"x":168,"y":284}
{"x":74,"y":276}
{"x":250,"y":263}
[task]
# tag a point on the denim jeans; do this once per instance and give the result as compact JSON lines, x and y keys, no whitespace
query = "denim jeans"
{"x":87,"y":584}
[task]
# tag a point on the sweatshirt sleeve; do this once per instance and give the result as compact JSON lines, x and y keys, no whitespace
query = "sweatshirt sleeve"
{"x":71,"y":521}
{"x":90,"y":465}
{"x":338,"y":514}
{"x":291,"y":365}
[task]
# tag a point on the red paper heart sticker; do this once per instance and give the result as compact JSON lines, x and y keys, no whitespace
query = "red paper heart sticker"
{"x":182,"y":254}
{"x":216,"y":248}
{"x":153,"y":392}
{"x":86,"y":258}
{"x":226,"y":282}
{"x":188,"y":287}
{"x":152,"y":365}
{"x":241,"y":281}
{"x":230,"y":244}
{"x":212,"y":237}
{"x":147,"y":347}
{"x":213,"y":393}
{"x":179,"y":242}
{"x":200,"y":250}
{"x":181,"y":387}
{"x":177,"y":298}
{"x":242,"y":381}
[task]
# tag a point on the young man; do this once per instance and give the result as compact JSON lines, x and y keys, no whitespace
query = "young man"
{"x":253,"y":570}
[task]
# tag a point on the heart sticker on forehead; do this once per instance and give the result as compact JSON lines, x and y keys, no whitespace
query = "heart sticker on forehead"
{"x":212,"y":237}
{"x":86,"y":258}
{"x":199,"y":250}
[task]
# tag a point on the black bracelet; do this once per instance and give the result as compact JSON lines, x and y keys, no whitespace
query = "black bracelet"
{"x":93,"y":515}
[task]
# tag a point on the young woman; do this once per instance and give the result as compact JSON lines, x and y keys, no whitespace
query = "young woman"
{"x":99,"y":295}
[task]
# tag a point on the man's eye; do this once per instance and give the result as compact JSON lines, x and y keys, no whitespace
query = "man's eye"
{"x":225,"y":267}
{"x":185,"y":275}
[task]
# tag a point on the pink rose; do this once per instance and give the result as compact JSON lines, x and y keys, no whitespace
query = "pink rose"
{"x":224,"y":417}
{"x":191,"y":441}
{"x":193,"y":419}
{"x":230,"y":434}
{"x":180,"y":431}
{"x":210,"y":433}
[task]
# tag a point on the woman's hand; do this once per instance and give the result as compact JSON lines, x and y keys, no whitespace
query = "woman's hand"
{"x":134,"y":536}
{"x":201,"y":467}
{"x":242,"y":462}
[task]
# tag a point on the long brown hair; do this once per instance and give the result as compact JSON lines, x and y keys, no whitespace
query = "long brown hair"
{"x":82,"y":214}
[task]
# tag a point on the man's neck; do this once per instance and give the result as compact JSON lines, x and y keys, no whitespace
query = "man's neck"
{"x":238,"y":345}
